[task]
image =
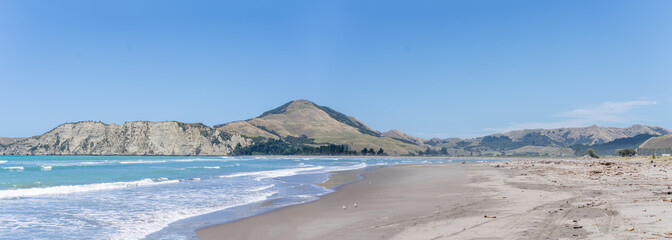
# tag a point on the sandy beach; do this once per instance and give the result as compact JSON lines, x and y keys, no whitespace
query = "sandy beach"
{"x":527,"y":199}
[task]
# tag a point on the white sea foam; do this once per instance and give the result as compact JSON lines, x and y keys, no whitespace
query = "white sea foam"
{"x":142,"y":162}
{"x":261,"y":188}
{"x":274,"y":173}
{"x":81,"y":164}
{"x":13,"y":168}
{"x":345,"y":168}
{"x":66,"y":189}
{"x":149,"y":223}
{"x":3,"y":161}
{"x":88,"y":163}
{"x":207,"y":167}
{"x":184,"y":160}
{"x":195,"y":160}
{"x":46,"y":168}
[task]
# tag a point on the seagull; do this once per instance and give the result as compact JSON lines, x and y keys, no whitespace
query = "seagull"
{"x":345,"y":207}
{"x":355,"y":205}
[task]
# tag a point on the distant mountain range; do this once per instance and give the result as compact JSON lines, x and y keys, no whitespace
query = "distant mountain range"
{"x":303,"y":127}
{"x":553,"y":142}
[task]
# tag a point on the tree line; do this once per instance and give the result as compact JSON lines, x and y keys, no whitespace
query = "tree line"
{"x":280,"y":147}
{"x":372,"y":152}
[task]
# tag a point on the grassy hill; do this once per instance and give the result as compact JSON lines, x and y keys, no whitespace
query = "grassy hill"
{"x":401,"y":136}
{"x":610,"y":148}
{"x":321,"y":125}
{"x":656,"y":145}
{"x":566,"y":137}
{"x":551,"y":142}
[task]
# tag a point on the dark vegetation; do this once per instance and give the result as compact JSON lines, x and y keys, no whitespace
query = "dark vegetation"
{"x":462,"y":144}
{"x":504,"y":143}
{"x":299,"y":146}
{"x":372,"y":152}
{"x":223,"y":135}
{"x":626,"y":152}
{"x":592,"y":154}
{"x":432,"y":152}
{"x":610,"y":148}
{"x":268,"y":130}
{"x":186,"y":126}
{"x":294,"y":146}
{"x":279,"y":147}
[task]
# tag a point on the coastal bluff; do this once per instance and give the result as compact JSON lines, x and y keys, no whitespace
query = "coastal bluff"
{"x":303,"y":127}
{"x":131,"y":138}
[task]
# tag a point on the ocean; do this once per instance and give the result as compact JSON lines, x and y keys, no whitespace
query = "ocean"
{"x":146,"y":197}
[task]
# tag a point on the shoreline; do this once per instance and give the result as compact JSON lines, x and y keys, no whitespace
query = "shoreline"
{"x":527,"y":199}
{"x":313,"y":156}
{"x":380,"y":174}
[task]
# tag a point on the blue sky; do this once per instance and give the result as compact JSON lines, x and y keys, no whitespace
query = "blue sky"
{"x":429,"y":68}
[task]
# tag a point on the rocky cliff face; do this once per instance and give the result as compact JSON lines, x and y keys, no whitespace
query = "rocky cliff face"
{"x":131,"y":138}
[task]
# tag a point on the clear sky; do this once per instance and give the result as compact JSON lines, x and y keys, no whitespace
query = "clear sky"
{"x":429,"y":68}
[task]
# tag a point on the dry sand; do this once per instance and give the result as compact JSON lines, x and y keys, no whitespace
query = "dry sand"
{"x":507,"y":200}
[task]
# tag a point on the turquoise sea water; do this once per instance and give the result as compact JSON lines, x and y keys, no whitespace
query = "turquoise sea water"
{"x":137,"y":197}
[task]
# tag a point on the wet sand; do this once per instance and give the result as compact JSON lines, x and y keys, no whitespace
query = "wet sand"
{"x":505,"y":200}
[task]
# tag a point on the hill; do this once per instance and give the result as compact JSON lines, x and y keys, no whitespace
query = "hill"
{"x":610,"y":148}
{"x":131,"y":138}
{"x":303,"y":127}
{"x":401,"y":136}
{"x":656,"y":145}
{"x":565,"y":137}
{"x":552,"y":142}
{"x":318,"y":125}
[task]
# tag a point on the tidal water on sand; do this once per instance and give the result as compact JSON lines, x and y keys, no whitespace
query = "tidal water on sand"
{"x":138,"y":197}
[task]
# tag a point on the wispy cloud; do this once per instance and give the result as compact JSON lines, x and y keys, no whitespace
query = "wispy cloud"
{"x":607,"y":112}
